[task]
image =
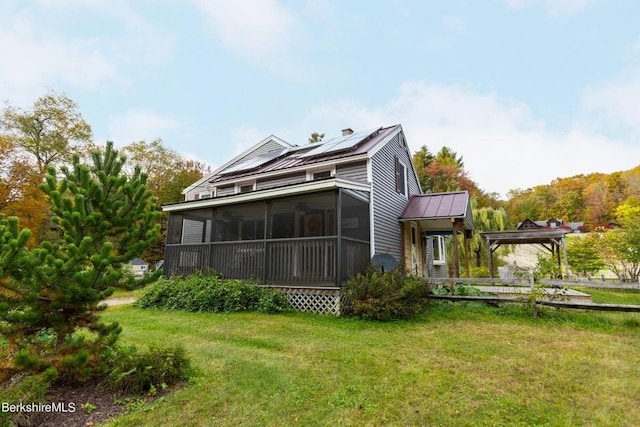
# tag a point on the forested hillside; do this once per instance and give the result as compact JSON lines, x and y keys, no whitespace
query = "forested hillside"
{"x":591,"y":198}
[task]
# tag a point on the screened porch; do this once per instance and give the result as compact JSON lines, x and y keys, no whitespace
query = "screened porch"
{"x":318,"y":239}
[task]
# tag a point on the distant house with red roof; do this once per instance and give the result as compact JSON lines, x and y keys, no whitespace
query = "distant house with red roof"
{"x":553,"y":223}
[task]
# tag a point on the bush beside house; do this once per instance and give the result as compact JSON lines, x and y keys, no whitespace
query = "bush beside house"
{"x":386,"y":296}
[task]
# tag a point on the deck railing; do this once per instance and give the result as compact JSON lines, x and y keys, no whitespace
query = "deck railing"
{"x":308,"y":260}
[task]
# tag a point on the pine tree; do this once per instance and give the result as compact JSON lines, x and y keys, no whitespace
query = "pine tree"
{"x":104,"y":219}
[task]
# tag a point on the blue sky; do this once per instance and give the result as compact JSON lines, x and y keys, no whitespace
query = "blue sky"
{"x":525,"y":90}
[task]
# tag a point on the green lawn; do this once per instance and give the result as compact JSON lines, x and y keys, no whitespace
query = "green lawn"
{"x":612,"y":296}
{"x":457,"y":365}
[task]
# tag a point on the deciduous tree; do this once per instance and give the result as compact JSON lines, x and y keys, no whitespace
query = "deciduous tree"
{"x":52,"y":131}
{"x":582,"y":254}
{"x":19,"y":192}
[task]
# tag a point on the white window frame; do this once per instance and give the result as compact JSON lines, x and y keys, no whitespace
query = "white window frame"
{"x":439,"y":243}
{"x":239,"y":185}
{"x":311,"y":172}
{"x":405,"y":170}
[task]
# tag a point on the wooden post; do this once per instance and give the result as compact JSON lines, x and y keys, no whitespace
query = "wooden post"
{"x":456,"y":248}
{"x":557,"y":246}
{"x":490,"y":258}
{"x":466,"y":252}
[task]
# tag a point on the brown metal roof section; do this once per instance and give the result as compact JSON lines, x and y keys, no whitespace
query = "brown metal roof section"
{"x":292,"y":159}
{"x":439,"y":206}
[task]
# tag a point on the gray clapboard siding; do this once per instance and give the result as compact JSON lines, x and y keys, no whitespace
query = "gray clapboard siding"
{"x":354,"y":171}
{"x":225,"y":191}
{"x":281,"y":180}
{"x":387,"y":203}
{"x":202,"y":188}
{"x":267,"y":147}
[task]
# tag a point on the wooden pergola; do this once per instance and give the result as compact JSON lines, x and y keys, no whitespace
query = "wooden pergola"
{"x":551,"y":240}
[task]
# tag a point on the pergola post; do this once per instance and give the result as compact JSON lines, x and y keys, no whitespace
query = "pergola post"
{"x":490,"y":258}
{"x":551,"y":240}
{"x":466,"y":252}
{"x":456,"y":247}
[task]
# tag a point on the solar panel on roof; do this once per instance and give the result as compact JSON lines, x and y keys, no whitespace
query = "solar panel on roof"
{"x":339,"y":143}
{"x":255,"y":162}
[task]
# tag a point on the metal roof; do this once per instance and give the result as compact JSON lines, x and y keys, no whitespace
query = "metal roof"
{"x":300,"y":155}
{"x":439,"y":206}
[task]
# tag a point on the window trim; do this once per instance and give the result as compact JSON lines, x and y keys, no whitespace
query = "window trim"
{"x":239,"y":185}
{"x":401,"y":170}
{"x":441,"y":244}
{"x":312,"y":172}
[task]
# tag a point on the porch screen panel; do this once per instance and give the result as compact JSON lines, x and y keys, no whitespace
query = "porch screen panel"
{"x":238,"y":248}
{"x":301,"y":239}
{"x":239,"y":222}
{"x":355,"y":217}
{"x":312,"y":215}
{"x":174,"y":231}
{"x":355,"y":232}
{"x":196,"y":226}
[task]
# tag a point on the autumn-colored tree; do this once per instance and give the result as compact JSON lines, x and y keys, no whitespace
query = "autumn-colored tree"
{"x":19,"y":192}
{"x":168,"y":174}
{"x":598,"y":209}
{"x":421,"y":160}
{"x":568,"y":196}
{"x":446,"y":171}
{"x":52,"y":131}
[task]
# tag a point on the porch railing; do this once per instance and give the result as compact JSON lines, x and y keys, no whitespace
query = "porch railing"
{"x":302,"y":260}
{"x":355,"y":257}
{"x":309,"y":260}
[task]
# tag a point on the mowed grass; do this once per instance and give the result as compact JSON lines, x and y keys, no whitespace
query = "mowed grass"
{"x":609,"y":296}
{"x":462,"y":365}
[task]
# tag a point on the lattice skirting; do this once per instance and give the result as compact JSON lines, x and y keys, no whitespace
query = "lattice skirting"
{"x":316,"y":300}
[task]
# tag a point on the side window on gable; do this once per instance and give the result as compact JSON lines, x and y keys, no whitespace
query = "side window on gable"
{"x":401,"y":177}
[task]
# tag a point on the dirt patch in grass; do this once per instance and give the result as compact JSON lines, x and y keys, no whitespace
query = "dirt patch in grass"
{"x":87,"y":405}
{"x":79,"y":406}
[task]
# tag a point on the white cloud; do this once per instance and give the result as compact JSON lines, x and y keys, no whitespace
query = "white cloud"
{"x":137,"y":125}
{"x":256,"y":29}
{"x":34,"y":60}
{"x":615,"y":105}
{"x":38,"y":52}
{"x":503,"y":145}
{"x":553,"y":7}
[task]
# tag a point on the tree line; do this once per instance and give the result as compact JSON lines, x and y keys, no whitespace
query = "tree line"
{"x":50,"y":133}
